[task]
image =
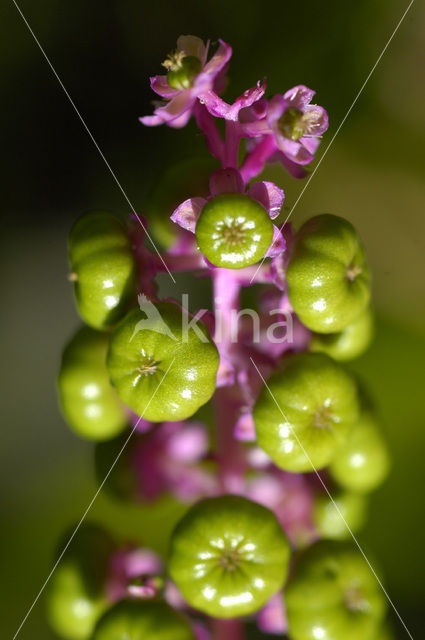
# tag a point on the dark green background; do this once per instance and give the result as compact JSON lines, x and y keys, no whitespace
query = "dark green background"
{"x":373,"y":175}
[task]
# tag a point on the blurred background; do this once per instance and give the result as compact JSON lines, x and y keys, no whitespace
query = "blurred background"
{"x":373,"y":174}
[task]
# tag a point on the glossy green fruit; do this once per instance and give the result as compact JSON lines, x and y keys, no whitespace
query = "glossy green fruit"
{"x":103,"y":268}
{"x":331,"y":522}
{"x":234,"y":231}
{"x":160,"y":369}
{"x":142,"y":620}
{"x":333,"y":595}
{"x":349,"y":343}
{"x":183,"y":76}
{"x":310,"y":401}
{"x":89,"y":403}
{"x":76,"y":595}
{"x":228,"y":555}
{"x":363,"y":462}
{"x":328,"y":278}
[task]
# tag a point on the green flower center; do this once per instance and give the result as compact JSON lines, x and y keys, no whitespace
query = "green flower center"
{"x":182,"y":70}
{"x":293,"y":124}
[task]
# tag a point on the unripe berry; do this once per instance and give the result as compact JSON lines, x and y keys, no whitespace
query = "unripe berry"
{"x":103,"y":268}
{"x":349,"y":343}
{"x":234,"y":231}
{"x":89,"y":403}
{"x":337,"y":522}
{"x":228,"y":555}
{"x":142,"y":620}
{"x":76,"y":593}
{"x":160,"y":369}
{"x":328,"y":278}
{"x":305,"y":413}
{"x":333,"y":595}
{"x":363,"y":462}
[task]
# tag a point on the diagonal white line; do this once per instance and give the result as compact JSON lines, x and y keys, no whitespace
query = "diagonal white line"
{"x":90,"y":505}
{"x":322,"y":157}
{"x":332,"y":500}
{"x":102,"y":155}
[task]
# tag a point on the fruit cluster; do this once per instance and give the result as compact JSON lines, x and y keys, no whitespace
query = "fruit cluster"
{"x":262,"y":538}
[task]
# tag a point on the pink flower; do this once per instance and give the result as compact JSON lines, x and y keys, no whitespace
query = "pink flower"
{"x":287,"y":129}
{"x":269,"y":195}
{"x":190,"y":78}
{"x":296,"y":124}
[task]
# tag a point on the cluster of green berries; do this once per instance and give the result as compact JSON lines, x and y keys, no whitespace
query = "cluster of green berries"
{"x":138,"y":358}
{"x":308,"y":416}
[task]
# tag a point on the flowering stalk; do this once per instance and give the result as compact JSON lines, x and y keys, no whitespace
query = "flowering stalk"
{"x":254,"y":488}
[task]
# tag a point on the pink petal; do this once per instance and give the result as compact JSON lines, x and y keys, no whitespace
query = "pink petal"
{"x":249,"y":97}
{"x":269,"y":195}
{"x":175,"y":113}
{"x":256,"y":112}
{"x":277,"y":106}
{"x":254,"y":129}
{"x":160,"y":85}
{"x":219,"y":60}
{"x":180,"y":121}
{"x":215,"y":105}
{"x":187,"y":213}
{"x":295,"y":151}
{"x":294,"y":169}
{"x":151,"y":121}
{"x":278,"y":244}
{"x":310,"y":144}
{"x":192,"y":46}
{"x":318,"y":121}
{"x":226,"y":181}
{"x":299,"y":96}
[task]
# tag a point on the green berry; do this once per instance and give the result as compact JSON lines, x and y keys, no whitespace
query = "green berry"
{"x":331,"y":521}
{"x":349,"y":343}
{"x":234,"y":231}
{"x":89,"y":403}
{"x":76,"y":596}
{"x":160,"y":369}
{"x":363,"y":462}
{"x":333,"y":595}
{"x":328,"y":278}
{"x":103,"y":268}
{"x":228,"y":555}
{"x":142,"y":620}
{"x":311,"y":400}
{"x":183,"y":74}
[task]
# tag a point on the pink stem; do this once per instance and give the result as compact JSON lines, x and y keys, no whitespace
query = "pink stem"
{"x":207,"y":124}
{"x":228,"y":630}
{"x":228,"y":400}
{"x":231,"y":145}
{"x":255,"y":161}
